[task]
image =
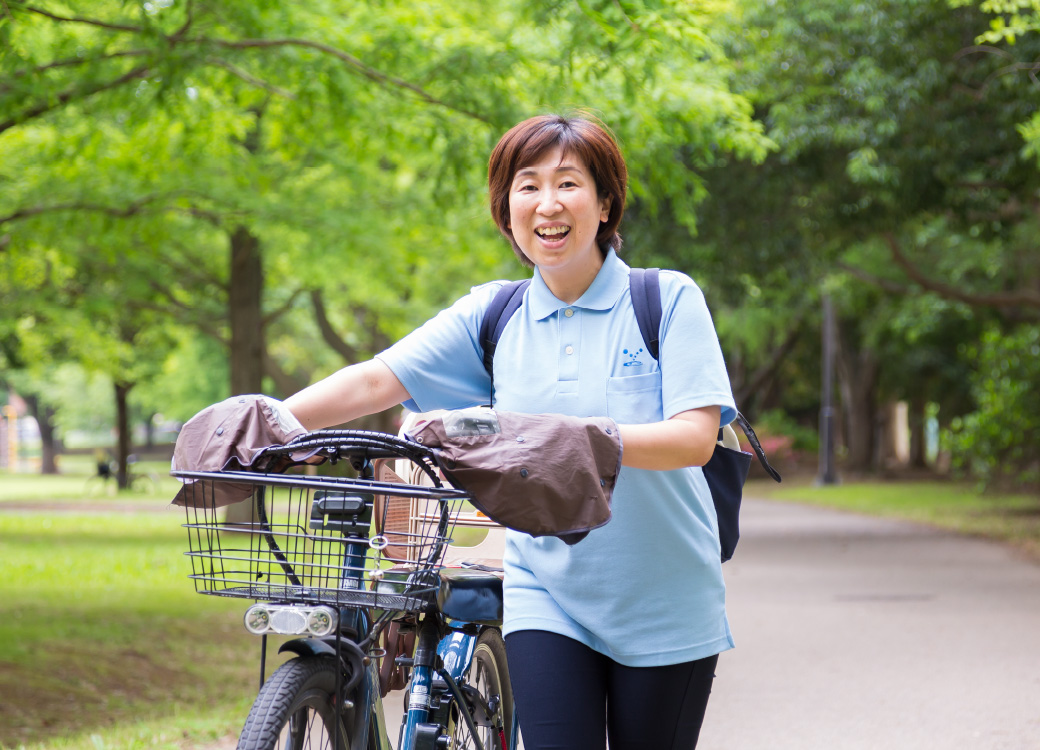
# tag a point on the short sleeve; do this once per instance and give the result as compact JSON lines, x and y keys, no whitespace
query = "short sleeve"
{"x":693,"y":370}
{"x":440,"y":363}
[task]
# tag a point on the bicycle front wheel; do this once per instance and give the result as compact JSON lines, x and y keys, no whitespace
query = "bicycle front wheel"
{"x":96,"y":486}
{"x":146,"y":483}
{"x":492,"y":706}
{"x":295,"y":709}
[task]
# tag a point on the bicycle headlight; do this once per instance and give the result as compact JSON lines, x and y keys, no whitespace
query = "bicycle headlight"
{"x":291,"y":619}
{"x":322,"y":621}
{"x":257,"y":619}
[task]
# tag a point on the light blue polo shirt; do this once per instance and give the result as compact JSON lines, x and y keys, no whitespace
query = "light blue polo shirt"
{"x":647,"y":588}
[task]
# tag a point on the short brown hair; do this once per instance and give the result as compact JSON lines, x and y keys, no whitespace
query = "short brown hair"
{"x":581,"y":136}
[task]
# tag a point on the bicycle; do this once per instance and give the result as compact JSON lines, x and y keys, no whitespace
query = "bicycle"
{"x":104,"y":481}
{"x":344,"y":562}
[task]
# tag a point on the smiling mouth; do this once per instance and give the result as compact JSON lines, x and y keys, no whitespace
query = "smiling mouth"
{"x":553,"y":234}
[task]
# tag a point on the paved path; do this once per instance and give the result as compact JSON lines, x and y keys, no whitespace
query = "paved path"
{"x":865,"y":634}
{"x":855,"y":633}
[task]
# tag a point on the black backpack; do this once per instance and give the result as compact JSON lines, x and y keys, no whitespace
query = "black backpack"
{"x":727,"y":469}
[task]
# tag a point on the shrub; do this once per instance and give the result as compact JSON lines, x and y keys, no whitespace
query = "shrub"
{"x":1000,"y":441}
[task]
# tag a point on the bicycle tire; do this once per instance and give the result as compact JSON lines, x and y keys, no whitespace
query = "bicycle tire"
{"x":294,"y":709}
{"x":489,"y":674}
{"x":96,"y":486}
{"x":147,"y":484}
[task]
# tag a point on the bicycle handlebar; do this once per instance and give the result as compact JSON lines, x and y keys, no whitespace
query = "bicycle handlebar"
{"x":365,"y":445}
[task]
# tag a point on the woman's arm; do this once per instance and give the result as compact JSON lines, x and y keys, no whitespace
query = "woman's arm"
{"x":687,"y":439}
{"x":355,"y":391}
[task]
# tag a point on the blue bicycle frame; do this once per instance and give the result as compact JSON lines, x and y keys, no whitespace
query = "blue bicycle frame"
{"x":454,"y":651}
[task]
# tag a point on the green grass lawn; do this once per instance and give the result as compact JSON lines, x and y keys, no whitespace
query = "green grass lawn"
{"x":76,"y":482}
{"x":104,"y":642}
{"x":1011,"y":518}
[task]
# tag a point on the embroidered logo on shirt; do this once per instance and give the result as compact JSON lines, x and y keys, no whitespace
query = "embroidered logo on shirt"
{"x":632,"y":357}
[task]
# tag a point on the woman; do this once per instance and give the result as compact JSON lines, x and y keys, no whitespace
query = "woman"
{"x":619,"y":634}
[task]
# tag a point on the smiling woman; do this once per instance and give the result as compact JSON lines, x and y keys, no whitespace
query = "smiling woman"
{"x":557,"y":190}
{"x":586,"y":145}
{"x":555,"y":213}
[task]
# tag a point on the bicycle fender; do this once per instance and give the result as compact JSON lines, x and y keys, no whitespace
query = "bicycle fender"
{"x":308,"y":647}
{"x":352,"y":658}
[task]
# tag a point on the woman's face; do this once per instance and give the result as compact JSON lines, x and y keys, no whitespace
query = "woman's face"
{"x":555,"y":212}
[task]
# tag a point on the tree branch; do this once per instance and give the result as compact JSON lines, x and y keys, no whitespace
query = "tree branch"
{"x":328,"y":333}
{"x":368,"y":72}
{"x":192,"y":269}
{"x":212,"y":217}
{"x":249,"y":77}
{"x":279,"y":312}
{"x":982,"y":49}
{"x":189,"y":19}
{"x":1030,"y":68}
{"x":284,"y":382}
{"x":884,"y":284}
{"x":182,"y":312}
{"x":88,"y":21}
{"x":632,"y":24}
{"x":768,"y":368}
{"x":71,"y":94}
{"x":133,"y":208}
{"x":76,"y":61}
{"x":1019,"y":298}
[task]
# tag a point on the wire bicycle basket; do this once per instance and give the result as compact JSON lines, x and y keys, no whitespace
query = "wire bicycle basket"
{"x":373,"y":542}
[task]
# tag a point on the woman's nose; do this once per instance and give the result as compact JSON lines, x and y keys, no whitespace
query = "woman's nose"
{"x":549,"y":203}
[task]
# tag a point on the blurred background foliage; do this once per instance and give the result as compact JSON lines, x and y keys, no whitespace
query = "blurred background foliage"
{"x":204,"y":198}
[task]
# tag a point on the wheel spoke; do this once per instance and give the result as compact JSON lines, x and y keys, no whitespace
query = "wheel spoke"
{"x":485,"y":675}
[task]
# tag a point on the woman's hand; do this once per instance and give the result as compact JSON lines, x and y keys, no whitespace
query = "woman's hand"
{"x":355,"y":391}
{"x":687,"y":439}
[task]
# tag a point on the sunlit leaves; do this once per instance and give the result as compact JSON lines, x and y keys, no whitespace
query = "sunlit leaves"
{"x":350,"y":138}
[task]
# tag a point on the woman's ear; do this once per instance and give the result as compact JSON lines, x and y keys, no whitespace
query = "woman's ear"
{"x":604,"y":208}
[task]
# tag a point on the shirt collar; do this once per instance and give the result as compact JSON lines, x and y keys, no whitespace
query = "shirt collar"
{"x":602,"y":294}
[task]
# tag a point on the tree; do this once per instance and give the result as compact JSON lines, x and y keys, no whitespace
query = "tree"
{"x":280,"y":177}
{"x":896,"y":165}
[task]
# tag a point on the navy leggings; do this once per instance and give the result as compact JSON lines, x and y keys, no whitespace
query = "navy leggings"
{"x":570,"y":697}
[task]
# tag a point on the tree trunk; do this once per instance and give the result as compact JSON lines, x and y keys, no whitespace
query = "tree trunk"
{"x":149,"y":432}
{"x":245,"y":301}
{"x":44,"y":416}
{"x":887,"y":454}
{"x":246,"y":315}
{"x":917,"y":418}
{"x":122,"y":391}
{"x":857,"y":379}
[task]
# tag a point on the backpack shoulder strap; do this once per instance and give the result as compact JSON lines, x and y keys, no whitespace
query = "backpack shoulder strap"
{"x":646,"y":299}
{"x":645,"y":289}
{"x":505,"y":302}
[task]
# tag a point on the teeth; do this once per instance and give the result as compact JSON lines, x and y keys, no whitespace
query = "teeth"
{"x":552,"y":231}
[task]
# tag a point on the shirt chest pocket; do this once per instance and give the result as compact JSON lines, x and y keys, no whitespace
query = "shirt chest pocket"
{"x":635,"y":399}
